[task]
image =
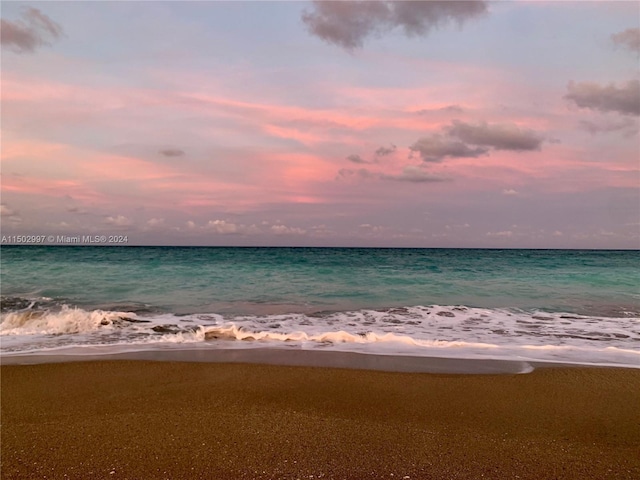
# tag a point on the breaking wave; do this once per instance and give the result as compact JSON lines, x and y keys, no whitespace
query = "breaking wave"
{"x":451,"y":331}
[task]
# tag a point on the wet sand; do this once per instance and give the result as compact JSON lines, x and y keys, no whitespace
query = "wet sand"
{"x":140,"y":419}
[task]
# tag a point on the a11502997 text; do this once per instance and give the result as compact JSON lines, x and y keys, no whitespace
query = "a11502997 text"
{"x":64,"y":239}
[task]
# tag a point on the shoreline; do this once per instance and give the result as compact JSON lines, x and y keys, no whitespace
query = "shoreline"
{"x":309,"y":358}
{"x":184,"y":420}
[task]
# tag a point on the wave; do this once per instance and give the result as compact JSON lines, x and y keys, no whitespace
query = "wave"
{"x":416,"y":330}
{"x":43,"y":315}
{"x":234,"y":332}
{"x":68,"y":320}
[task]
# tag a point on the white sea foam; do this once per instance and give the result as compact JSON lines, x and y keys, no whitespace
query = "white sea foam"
{"x":66,"y":321}
{"x":451,"y":331}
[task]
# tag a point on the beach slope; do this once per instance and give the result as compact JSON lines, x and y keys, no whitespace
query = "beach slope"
{"x":138,"y":420}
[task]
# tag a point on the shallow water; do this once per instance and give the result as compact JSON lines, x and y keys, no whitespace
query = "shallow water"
{"x":579,"y":306}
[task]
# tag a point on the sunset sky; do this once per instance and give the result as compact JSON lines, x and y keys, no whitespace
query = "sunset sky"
{"x":441,"y":124}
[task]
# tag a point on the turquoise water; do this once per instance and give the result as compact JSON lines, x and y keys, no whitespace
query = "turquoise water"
{"x":524,"y":305}
{"x":258,"y":280}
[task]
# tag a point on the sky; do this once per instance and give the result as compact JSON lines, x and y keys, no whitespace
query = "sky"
{"x":507,"y":124}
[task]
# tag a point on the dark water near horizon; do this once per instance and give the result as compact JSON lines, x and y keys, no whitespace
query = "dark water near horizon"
{"x":497,"y":302}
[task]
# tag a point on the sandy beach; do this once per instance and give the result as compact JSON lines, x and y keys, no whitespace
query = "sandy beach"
{"x":139,"y":419}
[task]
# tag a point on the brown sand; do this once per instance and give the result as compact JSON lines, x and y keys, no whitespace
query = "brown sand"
{"x":139,"y":420}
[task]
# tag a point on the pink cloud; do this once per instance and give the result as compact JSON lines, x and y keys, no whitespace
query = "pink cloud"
{"x":238,"y":178}
{"x":113,"y":167}
{"x":16,"y":149}
{"x":54,"y":188}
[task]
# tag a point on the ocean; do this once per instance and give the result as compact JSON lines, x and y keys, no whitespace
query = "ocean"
{"x":565,"y":306}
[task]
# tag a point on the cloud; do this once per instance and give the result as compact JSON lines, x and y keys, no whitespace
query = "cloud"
{"x":380,"y":152}
{"x":624,"y":99}
{"x":348,"y":23}
{"x":222,"y":227}
{"x":118,"y":221}
{"x":155,"y":222}
{"x":384,"y":151}
{"x":171,"y":152}
{"x":33,"y":30}
{"x":436,"y":148}
{"x":357,"y":159}
{"x":284,"y":230}
{"x":413,"y":174}
{"x":77,"y":210}
{"x":10,"y":215}
{"x":509,"y":191}
{"x":452,"y":109}
{"x":628,"y":127}
{"x":504,"y":233}
{"x":410,"y":173}
{"x":463,"y":225}
{"x":5,"y":211}
{"x":367,"y":227}
{"x":219,"y":227}
{"x":499,"y":137}
{"x":447,"y":109}
{"x":465,"y":140}
{"x":629,"y":39}
{"x":417,"y":18}
{"x":361,"y":172}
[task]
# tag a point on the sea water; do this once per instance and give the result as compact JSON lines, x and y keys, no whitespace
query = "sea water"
{"x":532,"y":305}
